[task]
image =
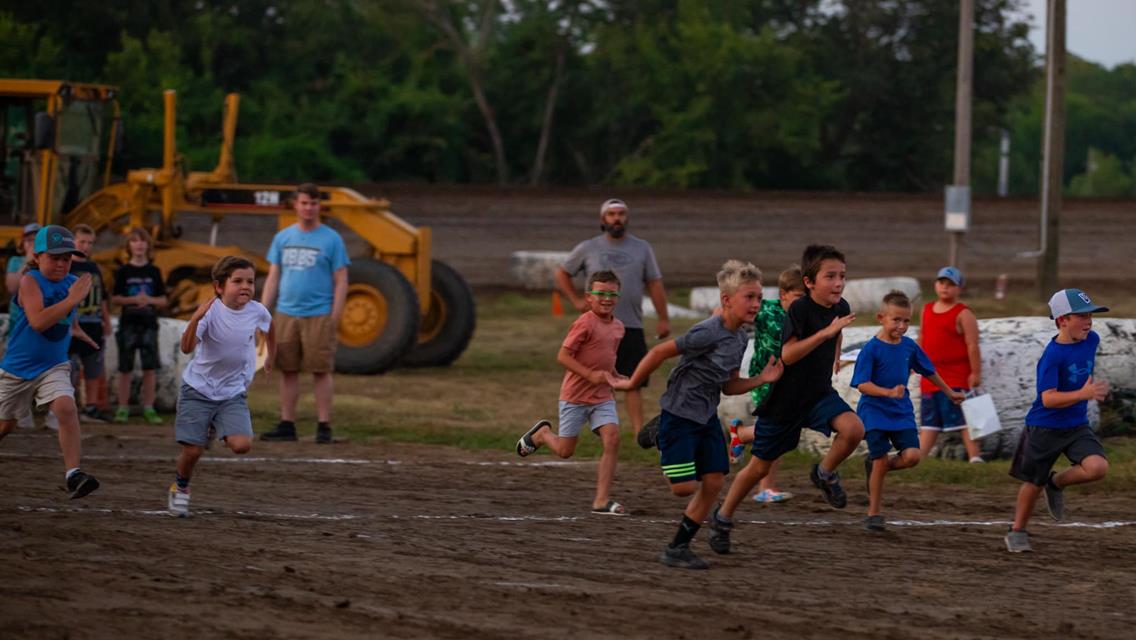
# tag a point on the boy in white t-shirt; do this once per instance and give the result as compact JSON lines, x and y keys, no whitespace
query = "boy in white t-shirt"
{"x":215,"y":384}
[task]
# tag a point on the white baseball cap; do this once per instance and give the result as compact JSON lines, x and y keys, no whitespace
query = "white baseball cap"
{"x":613,"y":203}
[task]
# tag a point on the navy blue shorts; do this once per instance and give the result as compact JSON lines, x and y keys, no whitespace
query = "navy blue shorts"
{"x":880,"y":442}
{"x":771,"y":440}
{"x":938,"y":413}
{"x":689,"y":450}
{"x":1039,"y":448}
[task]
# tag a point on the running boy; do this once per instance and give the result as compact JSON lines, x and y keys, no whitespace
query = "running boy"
{"x":1058,"y":421}
{"x":36,"y":363}
{"x":692,"y":448}
{"x":588,"y":354}
{"x":881,"y":374}
{"x":94,"y":319}
{"x":804,"y":396}
{"x":767,"y":328}
{"x":948,"y":333}
{"x":215,"y":384}
{"x":138,"y":287}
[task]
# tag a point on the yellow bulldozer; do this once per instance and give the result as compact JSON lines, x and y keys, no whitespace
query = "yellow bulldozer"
{"x":58,"y":141}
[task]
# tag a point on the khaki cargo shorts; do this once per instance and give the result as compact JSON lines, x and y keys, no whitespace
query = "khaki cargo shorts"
{"x":305,"y":344}
{"x":15,"y":392}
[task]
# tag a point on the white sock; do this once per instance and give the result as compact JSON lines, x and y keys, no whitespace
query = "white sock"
{"x":70,"y":472}
{"x":823,"y":473}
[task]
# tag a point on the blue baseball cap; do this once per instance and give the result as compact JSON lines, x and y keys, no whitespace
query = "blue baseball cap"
{"x":952,"y":274}
{"x":29,"y":229}
{"x":54,"y":239}
{"x":1068,"y":301}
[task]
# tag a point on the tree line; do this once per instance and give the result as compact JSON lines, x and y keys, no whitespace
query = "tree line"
{"x":738,"y":94}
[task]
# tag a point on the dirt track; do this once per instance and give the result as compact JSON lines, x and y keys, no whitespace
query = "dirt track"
{"x":440,"y":543}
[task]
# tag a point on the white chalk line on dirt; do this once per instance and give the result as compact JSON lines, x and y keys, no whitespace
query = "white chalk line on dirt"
{"x":286,"y":460}
{"x":1109,"y":524}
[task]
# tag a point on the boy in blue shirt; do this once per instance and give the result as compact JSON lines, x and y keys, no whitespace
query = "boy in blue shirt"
{"x":881,"y":374}
{"x":692,"y":447}
{"x":1058,"y":421}
{"x":36,"y":363}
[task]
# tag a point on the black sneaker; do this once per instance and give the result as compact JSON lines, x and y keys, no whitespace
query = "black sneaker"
{"x":1054,"y":499}
{"x":831,"y":488}
{"x":323,"y":435}
{"x":281,"y":433}
{"x":719,"y":532}
{"x":648,"y":437}
{"x":875,"y":523}
{"x":81,"y":484}
{"x":682,"y":557}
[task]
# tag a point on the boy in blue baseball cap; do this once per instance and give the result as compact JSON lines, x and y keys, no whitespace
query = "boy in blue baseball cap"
{"x":1058,"y":421}
{"x":36,"y":363}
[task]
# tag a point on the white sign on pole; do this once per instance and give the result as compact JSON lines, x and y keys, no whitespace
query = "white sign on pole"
{"x":957,"y":209}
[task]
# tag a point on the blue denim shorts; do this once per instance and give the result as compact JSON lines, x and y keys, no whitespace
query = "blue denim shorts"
{"x":195,"y":412}
{"x":938,"y":413}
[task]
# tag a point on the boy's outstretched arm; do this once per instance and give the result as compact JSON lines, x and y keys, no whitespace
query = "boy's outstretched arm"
{"x":794,"y":349}
{"x":738,"y":385}
{"x":42,"y":318}
{"x":77,"y":333}
{"x":569,"y":362}
{"x":655,"y":357}
{"x":1092,"y":390}
{"x":189,"y":336}
{"x":955,"y":396}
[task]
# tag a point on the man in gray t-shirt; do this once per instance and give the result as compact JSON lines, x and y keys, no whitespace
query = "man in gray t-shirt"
{"x":633,"y":260}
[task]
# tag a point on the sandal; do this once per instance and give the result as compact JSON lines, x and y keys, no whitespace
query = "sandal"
{"x":525,"y":445}
{"x":612,"y":508}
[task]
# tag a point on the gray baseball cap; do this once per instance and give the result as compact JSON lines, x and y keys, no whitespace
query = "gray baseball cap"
{"x":1068,"y":301}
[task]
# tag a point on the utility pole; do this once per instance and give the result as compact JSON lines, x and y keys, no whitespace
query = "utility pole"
{"x":958,"y":195}
{"x":1053,"y":148}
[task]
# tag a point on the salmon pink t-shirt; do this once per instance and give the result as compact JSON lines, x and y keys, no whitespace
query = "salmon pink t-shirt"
{"x":593,"y":343}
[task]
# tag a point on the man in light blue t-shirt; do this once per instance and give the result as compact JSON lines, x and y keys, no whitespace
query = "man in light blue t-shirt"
{"x":307,"y":280}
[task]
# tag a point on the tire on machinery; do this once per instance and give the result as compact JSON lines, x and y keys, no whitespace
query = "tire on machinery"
{"x":446,"y":329}
{"x":376,"y":289}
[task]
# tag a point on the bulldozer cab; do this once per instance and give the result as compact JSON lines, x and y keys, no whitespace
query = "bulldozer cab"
{"x":57,"y":142}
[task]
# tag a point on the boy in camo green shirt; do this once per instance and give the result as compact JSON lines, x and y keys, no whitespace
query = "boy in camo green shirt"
{"x":767,"y":327}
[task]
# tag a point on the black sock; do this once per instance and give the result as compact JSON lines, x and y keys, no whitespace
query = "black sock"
{"x":182,"y":483}
{"x":287,"y":425}
{"x":686,"y":531}
{"x":323,"y":426}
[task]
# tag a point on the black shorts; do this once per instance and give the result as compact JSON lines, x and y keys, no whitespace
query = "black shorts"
{"x":1039,"y":448}
{"x":94,"y":331}
{"x":141,"y":338}
{"x":631,"y":350}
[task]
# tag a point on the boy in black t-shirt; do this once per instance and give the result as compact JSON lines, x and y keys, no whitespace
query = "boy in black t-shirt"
{"x":804,"y":396}
{"x":138,"y":287}
{"x":94,"y":320}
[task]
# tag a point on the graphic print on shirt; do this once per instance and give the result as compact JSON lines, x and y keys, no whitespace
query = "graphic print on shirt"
{"x":299,"y":258}
{"x":612,"y":259}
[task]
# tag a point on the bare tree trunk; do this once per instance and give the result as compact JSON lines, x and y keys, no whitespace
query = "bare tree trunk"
{"x":549,"y":111}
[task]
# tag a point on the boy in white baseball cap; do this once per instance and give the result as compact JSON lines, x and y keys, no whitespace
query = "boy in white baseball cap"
{"x":1058,"y":421}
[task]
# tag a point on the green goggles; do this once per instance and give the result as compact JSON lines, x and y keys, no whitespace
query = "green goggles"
{"x":604,"y":294}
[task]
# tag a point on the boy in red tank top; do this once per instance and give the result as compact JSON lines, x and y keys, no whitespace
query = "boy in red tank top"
{"x":948,"y":333}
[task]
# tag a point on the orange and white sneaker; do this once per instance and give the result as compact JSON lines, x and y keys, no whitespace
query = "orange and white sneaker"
{"x":178,"y":502}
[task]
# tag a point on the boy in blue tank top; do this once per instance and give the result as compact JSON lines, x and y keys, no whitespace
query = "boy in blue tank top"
{"x":36,"y":362}
{"x":1058,"y":421}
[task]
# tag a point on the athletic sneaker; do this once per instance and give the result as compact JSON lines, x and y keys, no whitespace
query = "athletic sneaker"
{"x":323,"y":435}
{"x":91,"y":413}
{"x":178,"y":502}
{"x":281,"y":433}
{"x":682,"y":557}
{"x":1054,"y":499}
{"x":737,"y":449}
{"x":719,"y":532}
{"x":648,"y":437}
{"x":81,"y":484}
{"x":831,"y":488}
{"x":122,"y":415}
{"x":868,"y":464}
{"x":1018,"y":541}
{"x":875,"y":523}
{"x":526,"y":446}
{"x":151,"y":416}
{"x":770,"y":496}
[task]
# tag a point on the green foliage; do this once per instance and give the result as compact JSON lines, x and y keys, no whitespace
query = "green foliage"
{"x":1104,"y":177}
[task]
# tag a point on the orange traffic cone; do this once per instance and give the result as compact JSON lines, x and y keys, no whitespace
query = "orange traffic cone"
{"x":557,"y":308}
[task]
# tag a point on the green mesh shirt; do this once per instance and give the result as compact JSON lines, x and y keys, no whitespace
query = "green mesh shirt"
{"x":767,"y":328}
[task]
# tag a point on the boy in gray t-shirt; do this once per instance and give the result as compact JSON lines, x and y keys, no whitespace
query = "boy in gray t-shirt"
{"x":692,"y":447}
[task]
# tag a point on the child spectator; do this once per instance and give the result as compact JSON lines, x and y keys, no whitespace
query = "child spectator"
{"x":804,"y":396}
{"x":212,"y":401}
{"x":692,"y":447}
{"x":138,"y":287}
{"x":94,"y":319}
{"x":881,"y":374}
{"x":1058,"y":421}
{"x":948,"y":333}
{"x":15,"y":270}
{"x":36,"y":364}
{"x":587,"y":355}
{"x":767,"y":328}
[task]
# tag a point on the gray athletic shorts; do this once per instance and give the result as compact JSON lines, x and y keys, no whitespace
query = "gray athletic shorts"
{"x":195,"y":413}
{"x":574,"y":416}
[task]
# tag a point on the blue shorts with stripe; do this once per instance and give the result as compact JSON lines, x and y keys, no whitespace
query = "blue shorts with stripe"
{"x":689,"y":450}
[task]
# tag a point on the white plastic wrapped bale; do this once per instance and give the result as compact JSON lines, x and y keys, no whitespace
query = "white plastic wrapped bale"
{"x":170,"y":357}
{"x":705,"y":299}
{"x":864,"y":294}
{"x":536,"y":269}
{"x":673,"y":311}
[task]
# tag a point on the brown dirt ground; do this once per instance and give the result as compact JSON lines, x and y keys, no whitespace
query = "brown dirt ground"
{"x":441,"y":543}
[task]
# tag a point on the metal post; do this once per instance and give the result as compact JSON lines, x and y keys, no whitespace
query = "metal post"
{"x":1053,"y":162}
{"x":962,"y":110}
{"x":1004,"y":165}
